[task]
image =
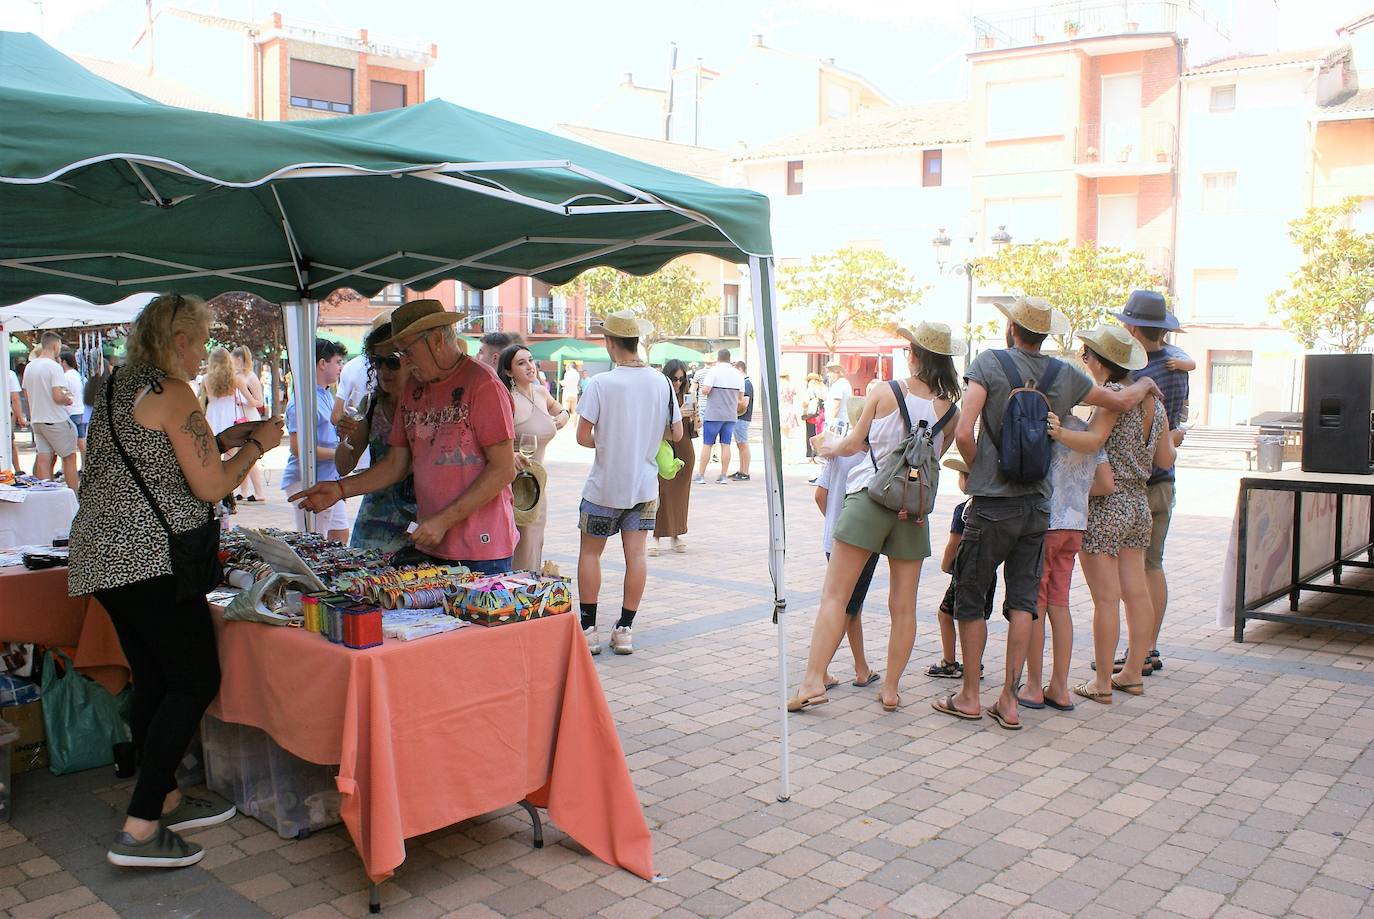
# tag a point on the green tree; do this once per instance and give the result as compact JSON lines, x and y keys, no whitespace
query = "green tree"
{"x":848,"y":290}
{"x":1084,"y":282}
{"x":670,"y":298}
{"x":1329,"y":297}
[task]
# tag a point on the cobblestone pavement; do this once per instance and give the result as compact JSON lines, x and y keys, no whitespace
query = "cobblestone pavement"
{"x":1240,"y":785}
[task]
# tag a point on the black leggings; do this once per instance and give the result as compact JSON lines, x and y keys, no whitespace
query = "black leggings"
{"x":171,"y":651}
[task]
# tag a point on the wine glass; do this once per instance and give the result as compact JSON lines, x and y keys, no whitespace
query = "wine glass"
{"x":353,"y":408}
{"x":527,"y":444}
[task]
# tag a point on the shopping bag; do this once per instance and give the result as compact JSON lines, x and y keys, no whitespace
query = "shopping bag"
{"x":80,"y":717}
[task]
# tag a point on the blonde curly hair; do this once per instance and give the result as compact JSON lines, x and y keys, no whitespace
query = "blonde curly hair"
{"x":150,"y":339}
{"x":219,"y":374}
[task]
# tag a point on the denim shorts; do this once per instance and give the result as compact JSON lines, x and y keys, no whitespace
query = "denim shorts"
{"x":1009,"y":532}
{"x":717,"y":431}
{"x":605,"y":522}
{"x":742,"y":431}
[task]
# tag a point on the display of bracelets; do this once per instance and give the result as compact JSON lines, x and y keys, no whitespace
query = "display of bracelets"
{"x":419,"y":587}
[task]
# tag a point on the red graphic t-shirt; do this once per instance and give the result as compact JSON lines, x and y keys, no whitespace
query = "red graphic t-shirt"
{"x":446,"y":425}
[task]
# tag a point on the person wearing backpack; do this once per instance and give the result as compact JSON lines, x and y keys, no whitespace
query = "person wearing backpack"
{"x":1015,"y":392}
{"x":904,"y":428}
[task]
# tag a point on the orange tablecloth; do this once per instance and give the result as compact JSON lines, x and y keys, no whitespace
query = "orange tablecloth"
{"x":433,"y":732}
{"x":34,"y":607}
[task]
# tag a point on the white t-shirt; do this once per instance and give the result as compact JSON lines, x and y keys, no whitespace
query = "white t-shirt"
{"x":833,"y":478}
{"x":74,"y":385}
{"x":41,"y":377}
{"x":353,"y":381}
{"x":725,"y":383}
{"x":840,"y":391}
{"x":629,"y":407}
{"x":14,"y":382}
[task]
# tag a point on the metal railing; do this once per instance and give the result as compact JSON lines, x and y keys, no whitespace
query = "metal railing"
{"x":1125,"y":142}
{"x":541,"y":321}
{"x":1051,"y":22}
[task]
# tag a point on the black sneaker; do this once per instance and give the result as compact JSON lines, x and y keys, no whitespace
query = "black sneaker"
{"x":164,"y":849}
{"x":740,"y":476}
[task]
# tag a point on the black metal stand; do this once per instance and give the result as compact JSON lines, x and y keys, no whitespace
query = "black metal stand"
{"x":374,"y":891}
{"x":1296,"y":582}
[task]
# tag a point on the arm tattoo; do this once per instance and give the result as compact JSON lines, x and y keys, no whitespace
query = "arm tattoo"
{"x":200,"y":431}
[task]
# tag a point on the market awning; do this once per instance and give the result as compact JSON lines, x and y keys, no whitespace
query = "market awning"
{"x":665,"y":351}
{"x":56,"y":311}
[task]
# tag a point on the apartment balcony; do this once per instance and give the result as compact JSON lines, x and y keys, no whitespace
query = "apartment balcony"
{"x":552,"y":321}
{"x":1069,"y":21}
{"x":1124,"y":148}
{"x":478,"y":320}
{"x":714,"y":327}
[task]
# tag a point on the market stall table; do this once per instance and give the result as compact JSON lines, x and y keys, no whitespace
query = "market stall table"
{"x":432,"y":732}
{"x":1326,"y":516}
{"x":43,"y":514}
{"x":34,"y":607}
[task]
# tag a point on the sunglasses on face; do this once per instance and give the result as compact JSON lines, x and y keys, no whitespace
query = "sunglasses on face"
{"x":390,"y":362}
{"x":679,"y":379}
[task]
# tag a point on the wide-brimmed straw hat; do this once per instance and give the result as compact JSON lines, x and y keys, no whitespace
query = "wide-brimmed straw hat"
{"x":957,"y":464}
{"x":1115,"y":344}
{"x":418,"y":316}
{"x":813,"y":378}
{"x":623,"y":324}
{"x":936,"y":337}
{"x":1034,"y":314}
{"x":1148,"y":308}
{"x":835,"y":365}
{"x":528,"y":493}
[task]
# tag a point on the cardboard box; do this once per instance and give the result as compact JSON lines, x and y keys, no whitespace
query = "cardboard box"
{"x":30,"y":751}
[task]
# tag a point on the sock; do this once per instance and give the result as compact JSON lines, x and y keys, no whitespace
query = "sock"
{"x":627,"y":617}
{"x":588,"y":615}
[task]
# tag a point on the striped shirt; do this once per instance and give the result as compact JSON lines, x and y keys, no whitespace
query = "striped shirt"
{"x":1173,"y":384}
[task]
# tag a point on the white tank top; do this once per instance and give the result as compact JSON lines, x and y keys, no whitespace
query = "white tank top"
{"x":886,"y":434}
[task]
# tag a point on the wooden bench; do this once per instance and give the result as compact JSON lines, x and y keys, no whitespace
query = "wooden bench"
{"x":1241,"y":439}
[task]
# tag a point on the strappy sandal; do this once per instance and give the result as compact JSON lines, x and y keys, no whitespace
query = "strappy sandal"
{"x":1131,"y":689}
{"x":1086,"y":691}
{"x":948,"y":670}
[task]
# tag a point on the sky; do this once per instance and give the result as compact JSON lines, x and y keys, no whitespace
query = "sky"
{"x":541,"y":62}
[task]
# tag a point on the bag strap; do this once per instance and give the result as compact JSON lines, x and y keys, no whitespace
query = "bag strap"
{"x":900,"y":394}
{"x":129,"y":464}
{"x":944,"y":419}
{"x":1051,"y":375}
{"x":1008,"y":369}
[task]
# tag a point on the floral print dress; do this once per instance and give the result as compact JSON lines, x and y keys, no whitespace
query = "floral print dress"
{"x":1122,"y":519}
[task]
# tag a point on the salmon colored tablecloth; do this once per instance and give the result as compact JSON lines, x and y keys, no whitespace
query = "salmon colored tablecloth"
{"x":34,"y":607}
{"x":432,"y":732}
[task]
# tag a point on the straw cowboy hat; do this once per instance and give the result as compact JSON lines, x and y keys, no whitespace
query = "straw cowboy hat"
{"x":418,"y":316}
{"x":527,"y":490}
{"x":957,"y":464}
{"x":936,"y":337}
{"x":1115,"y":344}
{"x":1147,"y":308}
{"x":1034,"y":314}
{"x":623,"y":324}
{"x":835,"y":365}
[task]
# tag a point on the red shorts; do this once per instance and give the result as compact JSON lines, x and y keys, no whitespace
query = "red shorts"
{"x":1061,"y":547}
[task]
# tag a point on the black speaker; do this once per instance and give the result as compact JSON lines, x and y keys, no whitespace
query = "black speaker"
{"x":1338,"y":397}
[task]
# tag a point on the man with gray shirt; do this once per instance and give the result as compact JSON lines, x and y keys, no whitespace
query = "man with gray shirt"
{"x":721,"y":389}
{"x":1007,"y":520}
{"x":53,"y":432}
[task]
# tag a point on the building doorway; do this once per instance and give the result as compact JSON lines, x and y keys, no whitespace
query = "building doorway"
{"x":1228,"y":388}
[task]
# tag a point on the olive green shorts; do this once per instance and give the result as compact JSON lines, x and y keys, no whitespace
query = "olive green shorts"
{"x":868,"y":525}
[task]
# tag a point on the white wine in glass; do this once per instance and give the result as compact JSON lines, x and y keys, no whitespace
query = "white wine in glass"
{"x":528,"y":443}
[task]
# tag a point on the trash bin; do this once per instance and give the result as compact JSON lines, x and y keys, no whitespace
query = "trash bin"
{"x":1269,"y":452}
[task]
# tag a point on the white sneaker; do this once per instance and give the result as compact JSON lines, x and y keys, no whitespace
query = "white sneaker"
{"x":698,"y":480}
{"x":652,"y":551}
{"x":593,"y":639}
{"x":679,"y":545}
{"x":622,"y":642}
{"x":722,"y":481}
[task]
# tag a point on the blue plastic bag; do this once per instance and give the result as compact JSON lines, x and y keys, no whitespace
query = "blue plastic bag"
{"x":80,"y":718}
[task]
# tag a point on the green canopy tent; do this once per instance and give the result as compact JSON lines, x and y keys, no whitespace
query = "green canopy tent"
{"x":665,"y":351}
{"x":568,"y":349}
{"x":105,"y":192}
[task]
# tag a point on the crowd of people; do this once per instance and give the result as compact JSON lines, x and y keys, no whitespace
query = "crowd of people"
{"x":1044,"y":488}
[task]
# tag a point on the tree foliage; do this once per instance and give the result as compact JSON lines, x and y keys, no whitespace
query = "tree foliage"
{"x":848,"y":290}
{"x":1329,"y":297}
{"x":670,"y":298}
{"x":1084,"y":282}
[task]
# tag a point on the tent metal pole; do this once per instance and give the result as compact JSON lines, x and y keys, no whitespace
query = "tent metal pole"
{"x":763,"y":285}
{"x":301,"y":319}
{"x":7,"y":461}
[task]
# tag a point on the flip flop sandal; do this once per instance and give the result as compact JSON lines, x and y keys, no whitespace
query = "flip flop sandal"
{"x":890,"y":707}
{"x":1086,"y":691}
{"x":1027,"y":702}
{"x":831,"y":685}
{"x":873,"y":677}
{"x":945,"y":706}
{"x":798,"y":704}
{"x":1131,"y":689}
{"x":1055,"y":705}
{"x":1001,"y":719}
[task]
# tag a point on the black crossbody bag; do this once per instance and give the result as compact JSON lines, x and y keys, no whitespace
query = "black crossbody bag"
{"x":194,"y":553}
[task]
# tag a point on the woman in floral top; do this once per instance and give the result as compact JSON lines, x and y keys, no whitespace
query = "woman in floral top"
{"x":384,"y":515}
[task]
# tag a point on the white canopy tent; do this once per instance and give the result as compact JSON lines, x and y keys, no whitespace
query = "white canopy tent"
{"x":53,"y":311}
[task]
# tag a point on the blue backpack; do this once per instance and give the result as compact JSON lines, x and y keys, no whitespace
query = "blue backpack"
{"x":1023,"y":444}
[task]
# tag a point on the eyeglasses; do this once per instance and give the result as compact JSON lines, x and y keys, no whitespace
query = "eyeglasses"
{"x":180,"y":301}
{"x":404,"y":350}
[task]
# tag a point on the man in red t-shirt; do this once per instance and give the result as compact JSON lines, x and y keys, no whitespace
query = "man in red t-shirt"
{"x":455,"y":433}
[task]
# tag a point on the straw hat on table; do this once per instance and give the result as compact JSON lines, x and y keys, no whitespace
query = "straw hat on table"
{"x":1115,"y":344}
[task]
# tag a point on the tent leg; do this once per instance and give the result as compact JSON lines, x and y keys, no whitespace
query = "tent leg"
{"x":301,"y":320}
{"x":763,"y":281}
{"x":7,"y":461}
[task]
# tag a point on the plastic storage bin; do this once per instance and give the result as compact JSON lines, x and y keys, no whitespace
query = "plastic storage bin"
{"x":8,"y":735}
{"x":288,"y":794}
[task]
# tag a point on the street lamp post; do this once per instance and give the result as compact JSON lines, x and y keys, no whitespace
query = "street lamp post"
{"x":968,"y":267}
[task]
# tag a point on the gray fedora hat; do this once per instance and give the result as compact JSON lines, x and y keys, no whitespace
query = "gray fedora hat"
{"x":1147,"y":308}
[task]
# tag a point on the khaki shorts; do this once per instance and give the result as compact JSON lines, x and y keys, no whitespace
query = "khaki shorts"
{"x":58,"y":437}
{"x":1161,"y":498}
{"x":868,"y":525}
